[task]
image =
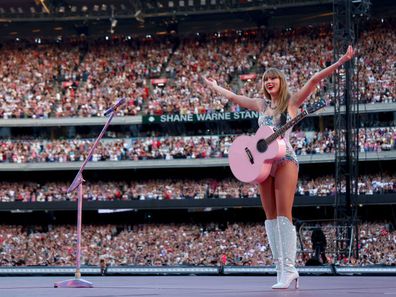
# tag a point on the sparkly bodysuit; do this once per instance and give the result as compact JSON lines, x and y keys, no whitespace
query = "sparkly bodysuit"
{"x":269,"y":120}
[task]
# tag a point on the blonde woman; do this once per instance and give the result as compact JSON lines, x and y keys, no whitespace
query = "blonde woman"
{"x":277,"y":191}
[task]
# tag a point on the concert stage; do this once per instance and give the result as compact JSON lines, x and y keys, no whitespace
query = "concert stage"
{"x":193,"y":286}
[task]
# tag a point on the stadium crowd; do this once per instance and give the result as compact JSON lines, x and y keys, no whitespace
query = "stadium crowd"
{"x":176,"y":147}
{"x":178,"y":244}
{"x":173,"y":189}
{"x":84,"y":78}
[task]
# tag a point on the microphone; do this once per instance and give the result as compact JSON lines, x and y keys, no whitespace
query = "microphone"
{"x":115,"y":106}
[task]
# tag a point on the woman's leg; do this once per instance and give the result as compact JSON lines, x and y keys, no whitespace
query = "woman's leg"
{"x":267,"y":195}
{"x":285,"y":186}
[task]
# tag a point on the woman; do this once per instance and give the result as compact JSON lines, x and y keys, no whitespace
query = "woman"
{"x":277,"y":191}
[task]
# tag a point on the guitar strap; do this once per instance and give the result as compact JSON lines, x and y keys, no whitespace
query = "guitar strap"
{"x":283,"y":118}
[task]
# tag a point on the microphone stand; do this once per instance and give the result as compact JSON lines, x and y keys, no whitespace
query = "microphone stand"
{"x":78,"y":181}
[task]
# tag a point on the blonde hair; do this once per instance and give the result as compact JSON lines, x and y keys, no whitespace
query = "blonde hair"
{"x":284,"y":94}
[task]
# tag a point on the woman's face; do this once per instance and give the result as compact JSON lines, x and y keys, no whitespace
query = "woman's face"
{"x":272,"y":85}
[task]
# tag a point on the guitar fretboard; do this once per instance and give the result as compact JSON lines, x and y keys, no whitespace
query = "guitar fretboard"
{"x":285,"y":127}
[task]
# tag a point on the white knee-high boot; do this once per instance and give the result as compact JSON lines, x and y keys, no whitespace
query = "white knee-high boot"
{"x":271,"y":228}
{"x":288,"y":249}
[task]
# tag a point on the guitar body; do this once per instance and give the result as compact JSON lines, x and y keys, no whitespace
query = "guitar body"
{"x":250,"y":165}
{"x":251,"y":157}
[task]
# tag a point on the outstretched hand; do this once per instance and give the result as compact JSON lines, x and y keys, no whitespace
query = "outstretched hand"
{"x":348,"y":55}
{"x":210,"y":82}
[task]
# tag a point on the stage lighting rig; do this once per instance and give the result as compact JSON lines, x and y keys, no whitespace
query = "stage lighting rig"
{"x":44,"y":5}
{"x":113,"y":21}
{"x":138,"y":16}
{"x":361,"y":8}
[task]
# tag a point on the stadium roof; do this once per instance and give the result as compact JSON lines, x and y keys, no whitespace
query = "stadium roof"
{"x":95,"y":18}
{"x":139,"y":9}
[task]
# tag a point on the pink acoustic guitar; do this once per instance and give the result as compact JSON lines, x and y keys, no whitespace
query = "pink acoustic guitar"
{"x":251,"y":157}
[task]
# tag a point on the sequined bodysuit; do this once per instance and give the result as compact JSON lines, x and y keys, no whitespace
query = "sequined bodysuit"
{"x":269,"y":120}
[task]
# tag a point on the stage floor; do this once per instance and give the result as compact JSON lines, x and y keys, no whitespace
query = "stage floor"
{"x":193,"y":286}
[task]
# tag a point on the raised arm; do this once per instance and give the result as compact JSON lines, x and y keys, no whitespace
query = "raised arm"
{"x":310,"y":86}
{"x":243,"y":101}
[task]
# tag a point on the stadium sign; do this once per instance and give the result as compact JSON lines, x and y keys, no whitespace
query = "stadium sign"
{"x":159,"y":81}
{"x":214,"y":116}
{"x":251,"y":76}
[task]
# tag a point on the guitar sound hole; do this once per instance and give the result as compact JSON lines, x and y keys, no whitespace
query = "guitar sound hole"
{"x":262,"y":146}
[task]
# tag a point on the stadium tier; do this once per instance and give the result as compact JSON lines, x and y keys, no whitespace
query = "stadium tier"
{"x":158,"y":189}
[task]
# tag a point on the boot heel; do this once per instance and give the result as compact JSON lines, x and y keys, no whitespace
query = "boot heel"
{"x":297,"y":284}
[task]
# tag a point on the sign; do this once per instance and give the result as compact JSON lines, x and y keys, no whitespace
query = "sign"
{"x":67,"y":84}
{"x":159,"y":81}
{"x":251,"y":76}
{"x":206,"y":117}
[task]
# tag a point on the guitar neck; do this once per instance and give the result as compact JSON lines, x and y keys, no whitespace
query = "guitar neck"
{"x":286,"y":126}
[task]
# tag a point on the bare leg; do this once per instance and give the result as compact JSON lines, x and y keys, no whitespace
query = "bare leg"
{"x":285,"y":187}
{"x":267,"y":195}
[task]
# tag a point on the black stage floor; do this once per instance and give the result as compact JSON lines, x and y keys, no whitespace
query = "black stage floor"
{"x":193,"y":286}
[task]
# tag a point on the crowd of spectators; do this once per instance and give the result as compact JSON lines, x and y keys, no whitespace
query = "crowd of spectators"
{"x":377,"y":79}
{"x":173,"y":189}
{"x":31,"y":78}
{"x":178,"y":244}
{"x":222,"y":56}
{"x":299,"y":53}
{"x":376,"y":244}
{"x":83,"y":79}
{"x":176,"y":147}
{"x":119,"y":71}
{"x":303,"y":51}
